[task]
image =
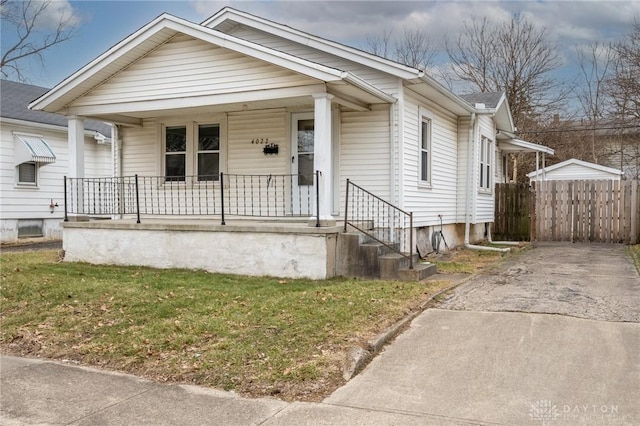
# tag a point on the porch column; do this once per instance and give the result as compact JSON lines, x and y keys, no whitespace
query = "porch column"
{"x":75,"y":196}
{"x":76,"y":146}
{"x":322,"y":156}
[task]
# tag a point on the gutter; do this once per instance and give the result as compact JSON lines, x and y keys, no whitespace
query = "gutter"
{"x":99,"y":137}
{"x":470,"y":188}
{"x":356,"y":81}
{"x":425,"y":78}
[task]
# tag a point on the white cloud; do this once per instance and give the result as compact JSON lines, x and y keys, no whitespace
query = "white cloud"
{"x":56,"y":11}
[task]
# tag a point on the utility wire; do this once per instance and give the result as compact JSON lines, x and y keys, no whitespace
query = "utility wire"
{"x":579,"y":130}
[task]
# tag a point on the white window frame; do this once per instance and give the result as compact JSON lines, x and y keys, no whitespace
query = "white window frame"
{"x":485,"y":178}
{"x":35,"y":175}
{"x":191,"y":152}
{"x":426,"y":118}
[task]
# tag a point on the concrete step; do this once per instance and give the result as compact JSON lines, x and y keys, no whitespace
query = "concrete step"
{"x":419,"y":272}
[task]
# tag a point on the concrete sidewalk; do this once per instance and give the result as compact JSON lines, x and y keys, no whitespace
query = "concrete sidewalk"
{"x":36,"y":392}
{"x":449,"y":368}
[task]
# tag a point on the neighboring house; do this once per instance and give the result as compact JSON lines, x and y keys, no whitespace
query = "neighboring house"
{"x":575,"y":169}
{"x":283,"y":114}
{"x":34,"y":156}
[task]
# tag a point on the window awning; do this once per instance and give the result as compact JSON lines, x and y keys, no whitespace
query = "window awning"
{"x":33,"y":149}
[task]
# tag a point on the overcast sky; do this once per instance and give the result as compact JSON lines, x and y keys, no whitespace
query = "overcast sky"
{"x":101,"y":24}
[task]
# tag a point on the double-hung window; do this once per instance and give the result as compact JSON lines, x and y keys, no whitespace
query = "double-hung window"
{"x":425,"y":148}
{"x":192,"y":150}
{"x":486,"y":150}
{"x":175,"y":157}
{"x":208,"y":152}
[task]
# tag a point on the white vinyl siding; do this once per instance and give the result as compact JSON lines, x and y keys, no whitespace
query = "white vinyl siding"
{"x":187,"y":67}
{"x":440,"y":197}
{"x":18,"y":202}
{"x":484,"y":203}
{"x":464,"y":172}
{"x":141,"y":150}
{"x":379,"y":79}
{"x":245,"y":155}
{"x":364,"y":152}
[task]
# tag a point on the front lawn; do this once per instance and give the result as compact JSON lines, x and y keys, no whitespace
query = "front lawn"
{"x":257,"y":336}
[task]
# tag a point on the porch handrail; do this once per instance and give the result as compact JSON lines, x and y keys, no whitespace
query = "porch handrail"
{"x":379,"y":220}
{"x":265,"y":195}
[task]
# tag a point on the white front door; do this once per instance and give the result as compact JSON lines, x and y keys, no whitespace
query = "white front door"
{"x":302,"y":136}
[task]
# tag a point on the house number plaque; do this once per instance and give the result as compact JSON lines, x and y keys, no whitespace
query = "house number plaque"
{"x":260,"y":141}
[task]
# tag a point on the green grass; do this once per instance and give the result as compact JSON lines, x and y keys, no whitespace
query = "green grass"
{"x":635,"y":255}
{"x":466,"y":261}
{"x":258,"y":336}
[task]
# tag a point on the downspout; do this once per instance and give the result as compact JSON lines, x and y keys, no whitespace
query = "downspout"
{"x":392,"y":144}
{"x":470,"y":189}
{"x":503,"y":243}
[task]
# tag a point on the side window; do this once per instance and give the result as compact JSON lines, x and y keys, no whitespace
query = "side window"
{"x":28,"y":174}
{"x":425,"y":149}
{"x":486,"y":149}
{"x":175,"y":153}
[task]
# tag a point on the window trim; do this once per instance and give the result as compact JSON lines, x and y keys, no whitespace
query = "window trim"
{"x":485,"y":164}
{"x":425,"y":117}
{"x":33,"y":184}
{"x":191,"y":153}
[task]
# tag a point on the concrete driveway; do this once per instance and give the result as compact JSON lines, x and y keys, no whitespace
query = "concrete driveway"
{"x":483,"y":357}
{"x":594,"y":281}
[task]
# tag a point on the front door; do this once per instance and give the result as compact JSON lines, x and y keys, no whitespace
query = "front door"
{"x":302,"y":134}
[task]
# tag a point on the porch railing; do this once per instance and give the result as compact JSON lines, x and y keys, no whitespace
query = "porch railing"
{"x":380,"y":220}
{"x":220,"y":195}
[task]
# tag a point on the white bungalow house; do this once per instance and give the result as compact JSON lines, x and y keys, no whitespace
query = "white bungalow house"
{"x":574,"y":169}
{"x":240,"y":117}
{"x":34,"y":158}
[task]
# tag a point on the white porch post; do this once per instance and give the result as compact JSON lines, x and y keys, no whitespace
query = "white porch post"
{"x":76,"y":146}
{"x":322,"y":156}
{"x":75,"y":129}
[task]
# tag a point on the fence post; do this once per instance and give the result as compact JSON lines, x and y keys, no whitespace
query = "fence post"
{"x":317,"y":198}
{"x":137,"y":200}
{"x":346,"y":206}
{"x":222,"y":195}
{"x":66,"y":216}
{"x":410,"y":240}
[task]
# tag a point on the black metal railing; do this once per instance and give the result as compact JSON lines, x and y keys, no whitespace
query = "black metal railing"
{"x":380,"y":220}
{"x":219,"y":195}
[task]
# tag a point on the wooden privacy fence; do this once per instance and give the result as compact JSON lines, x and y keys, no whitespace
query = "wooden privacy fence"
{"x":587,"y":211}
{"x":513,"y":212}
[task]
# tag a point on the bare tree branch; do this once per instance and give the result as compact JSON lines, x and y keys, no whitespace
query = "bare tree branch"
{"x":514,"y":57}
{"x":26,"y":18}
{"x":379,"y":45}
{"x":415,"y":49}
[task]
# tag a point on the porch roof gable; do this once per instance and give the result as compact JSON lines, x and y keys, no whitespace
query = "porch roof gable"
{"x":229,"y":17}
{"x":160,"y":31}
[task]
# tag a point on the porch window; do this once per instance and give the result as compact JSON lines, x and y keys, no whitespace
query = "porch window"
{"x":192,"y":149}
{"x":208,"y":152}
{"x":425,"y":149}
{"x":175,"y":153}
{"x":486,"y":148}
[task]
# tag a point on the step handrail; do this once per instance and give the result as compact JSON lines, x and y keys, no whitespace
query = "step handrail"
{"x":385,"y":219}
